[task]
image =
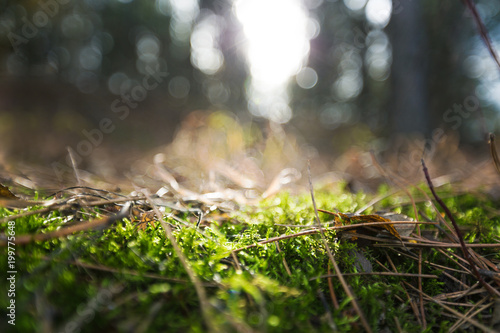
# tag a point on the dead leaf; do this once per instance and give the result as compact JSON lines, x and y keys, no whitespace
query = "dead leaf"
{"x":347,"y":219}
{"x":143,"y":219}
{"x":5,"y":193}
{"x":361,"y":263}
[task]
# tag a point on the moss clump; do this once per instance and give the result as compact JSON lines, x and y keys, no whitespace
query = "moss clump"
{"x":126,"y":278}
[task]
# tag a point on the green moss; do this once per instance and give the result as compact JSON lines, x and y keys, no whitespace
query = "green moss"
{"x":125,"y":278}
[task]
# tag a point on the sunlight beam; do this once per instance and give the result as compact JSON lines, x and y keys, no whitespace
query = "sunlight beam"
{"x":277,"y":46}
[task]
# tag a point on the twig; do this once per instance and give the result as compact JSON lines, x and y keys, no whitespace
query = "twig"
{"x":236,"y":261}
{"x":338,"y":273}
{"x":398,"y":325}
{"x":482,"y":30}
{"x":467,"y":255}
{"x":403,"y":181}
{"x":456,"y":313}
{"x":382,"y":171}
{"x":427,"y":276}
{"x":284,"y":259}
{"x":433,"y":244}
{"x":332,"y":290}
{"x":84,"y":187}
{"x":414,"y":307}
{"x":471,"y":313}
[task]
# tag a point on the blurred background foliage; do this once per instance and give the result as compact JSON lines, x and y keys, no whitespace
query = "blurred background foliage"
{"x":337,"y":74}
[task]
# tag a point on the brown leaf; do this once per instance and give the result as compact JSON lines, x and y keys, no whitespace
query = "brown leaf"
{"x":143,"y":219}
{"x":5,"y":193}
{"x":345,"y":219}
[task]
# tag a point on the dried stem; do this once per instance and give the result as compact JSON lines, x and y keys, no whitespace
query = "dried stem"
{"x":66,"y":231}
{"x":338,"y":273}
{"x":482,"y":30}
{"x":467,"y":255}
{"x":202,"y":296}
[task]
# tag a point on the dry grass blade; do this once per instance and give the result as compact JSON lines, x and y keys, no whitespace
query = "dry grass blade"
{"x":430,"y":244}
{"x":467,"y":255}
{"x":338,"y":273}
{"x":80,"y":226}
{"x":128,"y":272}
{"x":400,"y":183}
{"x":73,"y":164}
{"x":413,"y":305}
{"x":348,"y":227}
{"x":379,"y":167}
{"x":471,"y":313}
{"x":62,"y":205}
{"x":335,"y":302}
{"x":200,"y":291}
{"x":285,"y":264}
{"x":427,"y":276}
{"x":474,"y":322}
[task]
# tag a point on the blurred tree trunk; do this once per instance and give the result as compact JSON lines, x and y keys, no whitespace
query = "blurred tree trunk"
{"x":449,"y":30}
{"x":409,"y":111}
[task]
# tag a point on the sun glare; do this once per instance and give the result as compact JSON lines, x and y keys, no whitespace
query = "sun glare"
{"x":277,"y":45}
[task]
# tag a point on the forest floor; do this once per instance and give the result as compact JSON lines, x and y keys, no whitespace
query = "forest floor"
{"x":228,"y":229}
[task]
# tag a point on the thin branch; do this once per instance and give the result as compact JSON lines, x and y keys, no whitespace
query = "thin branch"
{"x":414,"y":307}
{"x":474,"y":322}
{"x":335,"y":302}
{"x":483,"y":32}
{"x":427,"y":276}
{"x":471,"y":313}
{"x":467,"y":255}
{"x":285,"y":264}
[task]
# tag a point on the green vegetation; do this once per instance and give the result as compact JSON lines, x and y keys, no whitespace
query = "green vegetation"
{"x":128,"y":277}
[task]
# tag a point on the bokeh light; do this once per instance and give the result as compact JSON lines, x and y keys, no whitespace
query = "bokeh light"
{"x":115,"y":82}
{"x":307,"y":78}
{"x":378,"y":56}
{"x":277,"y":36}
{"x":355,"y":4}
{"x":205,"y":52}
{"x":378,"y":12}
{"x":90,"y":58}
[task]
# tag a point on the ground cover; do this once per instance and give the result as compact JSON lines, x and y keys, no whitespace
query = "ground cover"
{"x":93,"y":260}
